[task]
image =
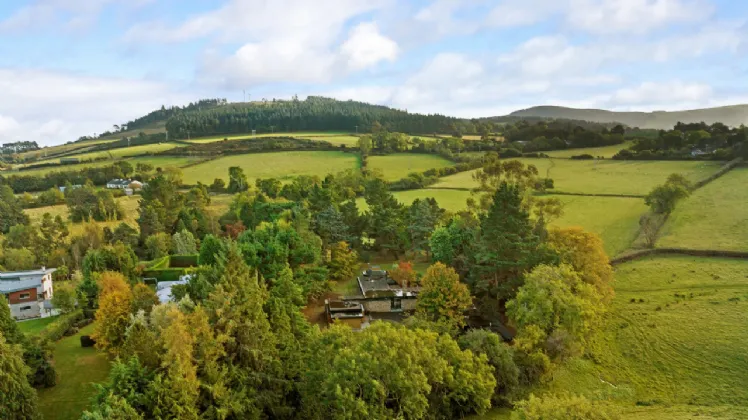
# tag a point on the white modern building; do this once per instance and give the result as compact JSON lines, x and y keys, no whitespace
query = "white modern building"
{"x":27,"y":292}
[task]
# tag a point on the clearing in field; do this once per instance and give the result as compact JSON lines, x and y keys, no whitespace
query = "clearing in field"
{"x":398,"y":166}
{"x":78,"y":368}
{"x":713,"y":217}
{"x":674,"y":342}
{"x":280,"y":165}
{"x":604,"y":151}
{"x":600,"y":177}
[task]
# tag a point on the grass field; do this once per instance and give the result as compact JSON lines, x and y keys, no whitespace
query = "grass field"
{"x":77,"y":369}
{"x":272,"y":165}
{"x":714,"y":217}
{"x":674,"y":342}
{"x":156,"y":161}
{"x":62,"y":148}
{"x":398,"y":166}
{"x":598,"y":177}
{"x":120,"y":152}
{"x":614,"y":219}
{"x":320,"y":135}
{"x":35,"y":326}
{"x":604,"y":151}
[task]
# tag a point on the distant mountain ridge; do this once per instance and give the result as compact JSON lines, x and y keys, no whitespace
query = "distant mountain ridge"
{"x":733,"y":115}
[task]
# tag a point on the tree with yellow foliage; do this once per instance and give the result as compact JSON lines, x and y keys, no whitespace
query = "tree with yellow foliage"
{"x":585,"y":253}
{"x":442,"y":297}
{"x":113,"y":315}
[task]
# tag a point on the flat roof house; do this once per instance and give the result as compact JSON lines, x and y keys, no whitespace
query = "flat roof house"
{"x":27,"y":291}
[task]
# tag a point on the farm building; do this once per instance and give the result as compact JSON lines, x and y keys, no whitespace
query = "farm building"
{"x":27,"y":292}
{"x":121,"y":184}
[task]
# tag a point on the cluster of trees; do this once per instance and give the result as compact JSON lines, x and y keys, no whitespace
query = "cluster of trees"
{"x":689,"y":141}
{"x":234,"y":342}
{"x":560,"y":134}
{"x":253,"y":145}
{"x":314,"y":113}
{"x":18,"y":147}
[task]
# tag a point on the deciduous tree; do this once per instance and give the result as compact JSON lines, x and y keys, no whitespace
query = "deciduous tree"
{"x":442,"y":297}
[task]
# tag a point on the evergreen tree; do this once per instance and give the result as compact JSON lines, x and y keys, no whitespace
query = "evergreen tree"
{"x":17,"y":397}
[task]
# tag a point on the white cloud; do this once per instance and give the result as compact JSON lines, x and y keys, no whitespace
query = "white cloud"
{"x":71,"y":14}
{"x":634,"y":16}
{"x":366,"y":47}
{"x":53,"y":108}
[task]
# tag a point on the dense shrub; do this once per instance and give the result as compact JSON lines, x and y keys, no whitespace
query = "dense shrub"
{"x":62,"y":326}
{"x":584,"y":156}
{"x":183,"y":261}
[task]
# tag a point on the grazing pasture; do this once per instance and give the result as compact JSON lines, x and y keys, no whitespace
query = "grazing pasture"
{"x":713,"y":217}
{"x":62,"y":148}
{"x":319,"y":135}
{"x":398,"y":166}
{"x":604,"y":151}
{"x":282,"y":165}
{"x":156,"y":161}
{"x":601,"y":177}
{"x":78,"y":368}
{"x":121,"y":152}
{"x":673,"y":344}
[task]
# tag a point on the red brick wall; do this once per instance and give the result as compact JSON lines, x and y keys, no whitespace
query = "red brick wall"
{"x":15,"y":297}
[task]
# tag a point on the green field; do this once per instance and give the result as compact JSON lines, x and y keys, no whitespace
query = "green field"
{"x":679,"y":350}
{"x":157,"y":161}
{"x":35,"y":326}
{"x":714,"y":217}
{"x":604,"y":151}
{"x":398,"y":166}
{"x":318,"y":135}
{"x":62,"y":148}
{"x":614,"y":219}
{"x":78,"y":369}
{"x":121,"y":152}
{"x":280,"y":165}
{"x":601,"y":177}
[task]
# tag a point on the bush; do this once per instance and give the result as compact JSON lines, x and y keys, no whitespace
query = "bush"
{"x":61,"y":326}
{"x":583,"y":157}
{"x":182,"y":261}
{"x":164,"y":274}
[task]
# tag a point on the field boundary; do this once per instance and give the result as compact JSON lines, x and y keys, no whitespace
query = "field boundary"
{"x":725,"y":169}
{"x":635,"y":255}
{"x":551,"y":192}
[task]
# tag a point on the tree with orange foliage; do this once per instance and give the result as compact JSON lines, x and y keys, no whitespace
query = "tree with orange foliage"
{"x":113,"y":315}
{"x":404,"y":274}
{"x":584,"y":252}
{"x":442,"y":297}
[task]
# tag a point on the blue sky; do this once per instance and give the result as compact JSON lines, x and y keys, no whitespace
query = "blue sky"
{"x":75,"y":67}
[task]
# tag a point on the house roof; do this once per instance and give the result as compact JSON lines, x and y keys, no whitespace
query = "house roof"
{"x":17,"y":286}
{"x":122,"y":182}
{"x":17,"y":275}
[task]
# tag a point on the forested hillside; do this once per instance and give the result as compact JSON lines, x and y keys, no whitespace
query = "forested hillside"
{"x":730,"y":115}
{"x":314,"y":113}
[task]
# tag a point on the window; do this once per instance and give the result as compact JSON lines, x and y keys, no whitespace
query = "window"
{"x":25,"y":308}
{"x":397,"y":304}
{"x":24,"y":296}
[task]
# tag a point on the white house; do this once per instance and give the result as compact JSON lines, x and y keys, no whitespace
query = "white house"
{"x":118,"y":184}
{"x":27,"y":291}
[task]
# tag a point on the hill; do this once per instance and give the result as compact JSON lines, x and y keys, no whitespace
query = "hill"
{"x":730,"y":115}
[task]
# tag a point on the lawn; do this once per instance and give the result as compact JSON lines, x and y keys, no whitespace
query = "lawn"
{"x":673,"y":344}
{"x":280,"y":165}
{"x":604,"y":151}
{"x":77,"y":369}
{"x":601,"y":177}
{"x":614,"y":219}
{"x":714,"y":217}
{"x":34,"y":326}
{"x":398,"y":166}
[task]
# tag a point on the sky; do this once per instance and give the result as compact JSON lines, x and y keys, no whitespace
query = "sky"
{"x":70,"y":68}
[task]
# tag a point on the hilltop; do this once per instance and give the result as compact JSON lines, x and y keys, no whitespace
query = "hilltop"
{"x":733,"y":115}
